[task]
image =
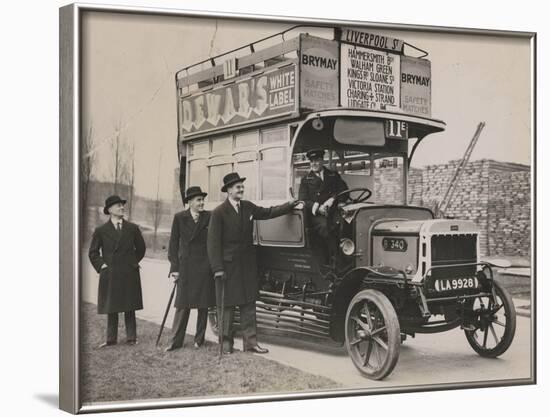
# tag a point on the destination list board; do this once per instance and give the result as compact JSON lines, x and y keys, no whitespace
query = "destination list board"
{"x":369,"y":78}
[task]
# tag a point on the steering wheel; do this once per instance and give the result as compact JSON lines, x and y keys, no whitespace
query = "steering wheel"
{"x":365,"y":195}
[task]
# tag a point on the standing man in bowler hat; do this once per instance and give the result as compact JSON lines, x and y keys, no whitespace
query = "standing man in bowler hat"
{"x":232,"y":257}
{"x":190,"y":269}
{"x":116,"y":249}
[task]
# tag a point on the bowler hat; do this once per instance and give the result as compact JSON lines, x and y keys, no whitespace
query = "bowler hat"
{"x":315,"y":154}
{"x":193,"y":191}
{"x":231,"y":179}
{"x":111,"y":200}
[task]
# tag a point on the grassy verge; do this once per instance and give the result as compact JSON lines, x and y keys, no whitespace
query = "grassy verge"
{"x":122,"y":372}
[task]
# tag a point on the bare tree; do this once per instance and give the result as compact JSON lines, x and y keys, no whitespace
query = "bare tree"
{"x":131,"y":176}
{"x":86,"y":167}
{"x":118,"y":161}
{"x":123,"y":166}
{"x":155,"y":209}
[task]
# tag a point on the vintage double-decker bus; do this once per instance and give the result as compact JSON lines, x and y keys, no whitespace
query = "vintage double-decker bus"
{"x":365,"y":98}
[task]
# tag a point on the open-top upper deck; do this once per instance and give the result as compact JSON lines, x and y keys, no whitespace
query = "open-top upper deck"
{"x":366,"y":73}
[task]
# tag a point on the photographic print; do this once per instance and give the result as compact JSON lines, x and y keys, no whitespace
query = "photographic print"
{"x":274,"y":209}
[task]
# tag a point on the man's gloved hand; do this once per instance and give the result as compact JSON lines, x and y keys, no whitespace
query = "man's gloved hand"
{"x":220,"y":275}
{"x":323,"y":210}
{"x":175,"y":276}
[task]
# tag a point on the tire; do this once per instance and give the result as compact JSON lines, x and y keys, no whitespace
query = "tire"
{"x":373,"y":334}
{"x":486,"y":318}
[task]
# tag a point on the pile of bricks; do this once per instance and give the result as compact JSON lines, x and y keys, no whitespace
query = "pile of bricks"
{"x":495,"y":195}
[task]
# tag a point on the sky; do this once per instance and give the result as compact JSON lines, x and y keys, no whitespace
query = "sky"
{"x":129,"y":62}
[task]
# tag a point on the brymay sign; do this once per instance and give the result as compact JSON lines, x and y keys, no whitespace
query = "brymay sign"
{"x":319,"y":66}
{"x":416,"y":86}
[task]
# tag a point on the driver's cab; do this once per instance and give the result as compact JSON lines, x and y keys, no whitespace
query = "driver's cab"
{"x":358,"y":150}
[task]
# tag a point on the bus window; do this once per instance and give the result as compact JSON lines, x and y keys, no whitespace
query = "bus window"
{"x":359,"y":132}
{"x":247,"y":169}
{"x":197,"y":168}
{"x":277,"y":135}
{"x":198,"y":149}
{"x":216,"y":174}
{"x":246,"y":140}
{"x":222,"y":146}
{"x":273,"y":170}
{"x":389,"y":180}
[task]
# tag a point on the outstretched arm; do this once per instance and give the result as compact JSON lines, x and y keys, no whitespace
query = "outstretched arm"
{"x":264,"y":213}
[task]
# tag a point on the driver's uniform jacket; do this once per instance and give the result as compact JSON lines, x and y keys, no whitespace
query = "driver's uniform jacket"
{"x":313,"y":189}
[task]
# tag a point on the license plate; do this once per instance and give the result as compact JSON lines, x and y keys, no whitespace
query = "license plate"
{"x":393,"y":244}
{"x":454,"y":284}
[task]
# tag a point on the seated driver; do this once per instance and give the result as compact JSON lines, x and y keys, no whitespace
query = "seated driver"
{"x":317,"y":189}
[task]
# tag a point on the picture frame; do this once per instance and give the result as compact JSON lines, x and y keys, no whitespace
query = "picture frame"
{"x":71,"y":234}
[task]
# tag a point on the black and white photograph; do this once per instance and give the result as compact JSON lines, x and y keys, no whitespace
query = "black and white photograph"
{"x":274,"y":208}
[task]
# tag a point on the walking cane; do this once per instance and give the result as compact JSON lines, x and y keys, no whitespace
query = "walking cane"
{"x":220,"y":324}
{"x":166,"y":313}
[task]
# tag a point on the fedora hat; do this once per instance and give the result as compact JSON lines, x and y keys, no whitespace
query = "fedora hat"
{"x":111,"y":200}
{"x":231,"y":179}
{"x":192,"y":192}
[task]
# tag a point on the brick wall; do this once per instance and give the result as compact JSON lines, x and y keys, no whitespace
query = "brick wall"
{"x":495,"y":195}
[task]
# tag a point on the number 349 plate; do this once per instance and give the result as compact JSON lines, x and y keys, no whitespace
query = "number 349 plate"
{"x":455,"y":284}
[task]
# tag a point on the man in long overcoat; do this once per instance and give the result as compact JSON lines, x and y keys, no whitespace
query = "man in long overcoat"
{"x":116,"y":249}
{"x":232,"y":257}
{"x":190,"y":268}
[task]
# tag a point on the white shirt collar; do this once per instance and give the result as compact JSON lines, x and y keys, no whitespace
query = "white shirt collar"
{"x":320,"y":174}
{"x":194,"y":214}
{"x":234,"y":203}
{"x":115,"y":221}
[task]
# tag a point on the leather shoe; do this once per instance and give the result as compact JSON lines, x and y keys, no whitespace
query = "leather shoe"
{"x":257,"y":349}
{"x":131,"y":342}
{"x":172,"y":348}
{"x":107,"y":344}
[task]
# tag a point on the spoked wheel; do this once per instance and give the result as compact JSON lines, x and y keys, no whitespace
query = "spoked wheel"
{"x":494,"y":322}
{"x":372,"y":334}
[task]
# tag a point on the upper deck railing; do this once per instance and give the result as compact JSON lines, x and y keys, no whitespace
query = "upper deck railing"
{"x":262,"y":82}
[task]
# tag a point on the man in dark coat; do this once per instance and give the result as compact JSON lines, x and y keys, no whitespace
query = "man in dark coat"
{"x":190,"y":268}
{"x":116,"y":249}
{"x":317,"y":189}
{"x":232,"y":257}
